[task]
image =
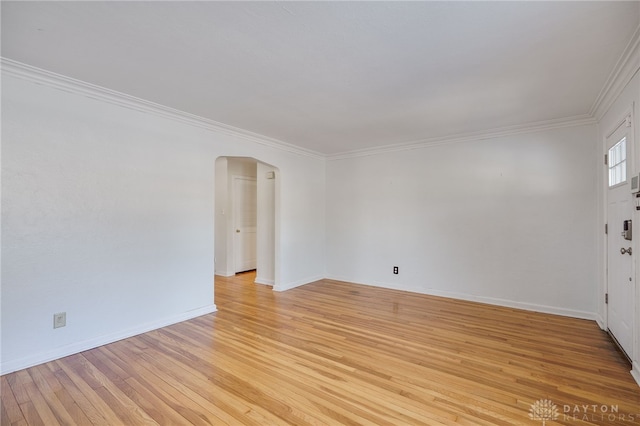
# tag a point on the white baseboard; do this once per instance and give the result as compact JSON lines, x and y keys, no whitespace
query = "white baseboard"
{"x":555,"y":310}
{"x":224,"y":274}
{"x":74,"y":348}
{"x":600,"y":322}
{"x":482,"y":299}
{"x":264,"y":281}
{"x":294,"y":284}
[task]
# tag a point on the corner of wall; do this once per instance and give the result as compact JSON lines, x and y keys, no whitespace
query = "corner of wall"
{"x":297,"y":283}
{"x":264,"y":281}
{"x":622,"y":73}
{"x":635,"y":372}
{"x":600,"y":321}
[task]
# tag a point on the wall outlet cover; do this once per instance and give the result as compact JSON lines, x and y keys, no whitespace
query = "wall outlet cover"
{"x":59,"y":320}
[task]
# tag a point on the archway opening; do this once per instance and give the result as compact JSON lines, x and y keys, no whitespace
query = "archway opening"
{"x":246,"y":218}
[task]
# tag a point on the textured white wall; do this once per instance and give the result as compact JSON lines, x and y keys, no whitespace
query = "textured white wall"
{"x":509,"y":220}
{"x":107,"y":214}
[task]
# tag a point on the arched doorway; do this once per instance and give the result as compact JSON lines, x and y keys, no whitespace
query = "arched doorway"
{"x":246,"y":217}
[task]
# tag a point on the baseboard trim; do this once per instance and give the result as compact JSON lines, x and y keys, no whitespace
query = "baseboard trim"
{"x":224,"y":274}
{"x":263,"y":281}
{"x":482,"y":299}
{"x":600,"y":322}
{"x":546,"y":309}
{"x":74,"y":348}
{"x":294,"y":284}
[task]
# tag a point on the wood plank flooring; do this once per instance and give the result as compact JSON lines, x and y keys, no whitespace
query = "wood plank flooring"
{"x":332,"y":353}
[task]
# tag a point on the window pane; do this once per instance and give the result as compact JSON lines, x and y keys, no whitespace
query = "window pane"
{"x":618,"y":174}
{"x":611,"y":177}
{"x":617,"y":159}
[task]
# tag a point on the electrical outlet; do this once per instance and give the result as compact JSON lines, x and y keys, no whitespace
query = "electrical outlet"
{"x":59,"y":320}
{"x":395,"y":270}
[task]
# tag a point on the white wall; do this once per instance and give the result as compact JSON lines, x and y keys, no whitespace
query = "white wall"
{"x":108,"y":215}
{"x":301,"y":224}
{"x":626,"y":102}
{"x":265,"y":240}
{"x":221,"y":213}
{"x":507,"y":220}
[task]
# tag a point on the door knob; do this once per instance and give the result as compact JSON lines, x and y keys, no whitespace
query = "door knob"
{"x":625,"y":251}
{"x":238,"y":231}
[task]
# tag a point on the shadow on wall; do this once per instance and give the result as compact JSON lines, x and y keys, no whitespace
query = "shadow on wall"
{"x":246,"y":217}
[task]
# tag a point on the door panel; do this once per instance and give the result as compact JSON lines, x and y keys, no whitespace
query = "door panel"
{"x":620,"y":261}
{"x":245,"y":221}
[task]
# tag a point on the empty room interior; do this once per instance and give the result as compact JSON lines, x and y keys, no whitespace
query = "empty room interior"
{"x":320,"y":213}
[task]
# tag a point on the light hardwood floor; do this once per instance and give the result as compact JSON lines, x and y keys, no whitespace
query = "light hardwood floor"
{"x":333,"y":353}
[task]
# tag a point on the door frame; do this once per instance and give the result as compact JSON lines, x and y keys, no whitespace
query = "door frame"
{"x":631,"y":170}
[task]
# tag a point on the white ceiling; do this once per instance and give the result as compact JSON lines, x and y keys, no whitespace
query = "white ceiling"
{"x":335,"y":76}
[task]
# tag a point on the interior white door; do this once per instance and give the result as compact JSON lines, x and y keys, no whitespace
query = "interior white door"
{"x":245,"y":221}
{"x":620,"y":285}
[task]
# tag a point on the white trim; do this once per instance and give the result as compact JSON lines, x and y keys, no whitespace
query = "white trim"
{"x":622,"y":73}
{"x":486,"y":300}
{"x":78,"y":87}
{"x":518,"y":305}
{"x":224,"y":274}
{"x":625,"y":69}
{"x":575,"y":121}
{"x":74,"y":348}
{"x":600,"y":322}
{"x":628,"y":113}
{"x":68,"y":84}
{"x":263,"y":281}
{"x":298,"y":283}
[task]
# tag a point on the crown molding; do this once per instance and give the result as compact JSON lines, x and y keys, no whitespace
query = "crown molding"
{"x":57,"y":81}
{"x":625,"y":69}
{"x":539,"y":126}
